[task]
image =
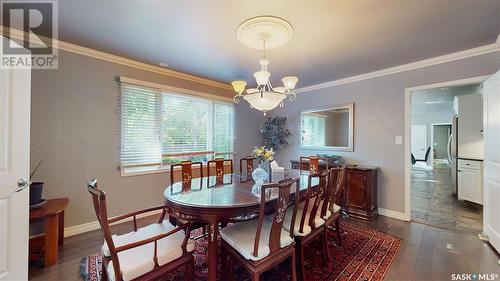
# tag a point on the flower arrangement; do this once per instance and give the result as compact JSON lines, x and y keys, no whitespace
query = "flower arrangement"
{"x":263,"y":154}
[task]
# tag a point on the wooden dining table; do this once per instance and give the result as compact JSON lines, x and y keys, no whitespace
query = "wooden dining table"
{"x":237,"y":199}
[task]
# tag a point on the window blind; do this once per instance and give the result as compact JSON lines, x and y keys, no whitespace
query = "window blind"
{"x":223,"y":129}
{"x":166,"y":128}
{"x":140,"y":143}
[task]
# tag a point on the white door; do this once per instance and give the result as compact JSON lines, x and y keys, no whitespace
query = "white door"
{"x":491,"y":99}
{"x":15,"y":94}
{"x":418,"y":141}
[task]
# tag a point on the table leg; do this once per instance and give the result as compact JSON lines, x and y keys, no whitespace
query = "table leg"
{"x":213,"y":250}
{"x":61,"y":228}
{"x":51,"y":239}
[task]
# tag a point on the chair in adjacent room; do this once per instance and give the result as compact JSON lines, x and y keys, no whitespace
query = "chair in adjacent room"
{"x":261,"y":244}
{"x":414,"y":160}
{"x":146,"y":253}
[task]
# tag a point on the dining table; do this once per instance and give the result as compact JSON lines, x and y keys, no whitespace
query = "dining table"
{"x":236,"y":199}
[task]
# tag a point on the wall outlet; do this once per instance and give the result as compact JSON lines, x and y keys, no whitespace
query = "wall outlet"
{"x":399,"y":140}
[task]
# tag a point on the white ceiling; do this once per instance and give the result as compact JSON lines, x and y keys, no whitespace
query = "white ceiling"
{"x":439,"y":100}
{"x":333,"y":39}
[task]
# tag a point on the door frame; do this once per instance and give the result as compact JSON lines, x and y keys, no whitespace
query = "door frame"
{"x":408,"y":92}
{"x":432,"y":140}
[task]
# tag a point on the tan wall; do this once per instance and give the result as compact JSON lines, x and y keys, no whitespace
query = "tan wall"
{"x":379,"y":117}
{"x":75,"y":130}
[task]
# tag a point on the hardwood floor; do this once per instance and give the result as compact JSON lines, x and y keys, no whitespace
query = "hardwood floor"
{"x":427,"y":252}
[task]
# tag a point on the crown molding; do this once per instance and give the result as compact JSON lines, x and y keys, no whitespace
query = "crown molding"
{"x":76,"y":49}
{"x":482,"y":50}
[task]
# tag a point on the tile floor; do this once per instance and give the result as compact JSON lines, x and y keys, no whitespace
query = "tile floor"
{"x":433,"y":202}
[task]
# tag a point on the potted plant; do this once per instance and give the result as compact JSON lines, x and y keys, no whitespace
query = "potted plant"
{"x":36,"y":188}
{"x":275,"y":133}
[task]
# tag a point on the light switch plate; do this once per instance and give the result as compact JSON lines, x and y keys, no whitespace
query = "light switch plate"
{"x":399,"y":140}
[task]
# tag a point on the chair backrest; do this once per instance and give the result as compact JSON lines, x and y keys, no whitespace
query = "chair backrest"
{"x":427,"y":153}
{"x":99,"y":200}
{"x":314,"y":196}
{"x":186,"y":173}
{"x":312,"y":162}
{"x":335,"y":187}
{"x":282,"y":203}
{"x":219,"y":169}
{"x":249,"y":162}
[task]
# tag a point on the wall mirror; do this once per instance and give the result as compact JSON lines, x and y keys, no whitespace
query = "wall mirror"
{"x":328,"y":128}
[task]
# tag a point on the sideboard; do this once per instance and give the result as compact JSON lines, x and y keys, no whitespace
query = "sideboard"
{"x":360,"y":191}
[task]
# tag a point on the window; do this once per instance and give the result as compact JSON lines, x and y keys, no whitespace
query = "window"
{"x":159,"y":128}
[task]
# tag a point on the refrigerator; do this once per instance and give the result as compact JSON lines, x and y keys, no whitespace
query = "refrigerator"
{"x":452,"y":152}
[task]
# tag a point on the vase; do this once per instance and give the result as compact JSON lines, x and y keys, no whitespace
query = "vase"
{"x":260,"y":175}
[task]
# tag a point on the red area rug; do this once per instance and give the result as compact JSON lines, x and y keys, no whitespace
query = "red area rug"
{"x":365,"y":254}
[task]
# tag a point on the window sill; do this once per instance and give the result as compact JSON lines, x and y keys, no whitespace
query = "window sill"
{"x":139,"y":171}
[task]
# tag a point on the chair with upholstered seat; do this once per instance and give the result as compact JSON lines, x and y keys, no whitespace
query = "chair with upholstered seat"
{"x":262,"y":243}
{"x":311,"y":164}
{"x":219,"y":164}
{"x":186,"y":169}
{"x":249,"y":166}
{"x":306,"y":220}
{"x":147,"y":253}
{"x":330,"y":211}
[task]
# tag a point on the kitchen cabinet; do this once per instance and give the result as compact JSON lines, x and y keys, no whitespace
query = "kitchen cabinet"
{"x":470,"y":180}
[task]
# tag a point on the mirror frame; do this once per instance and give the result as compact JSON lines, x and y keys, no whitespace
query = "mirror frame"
{"x":350,"y":146}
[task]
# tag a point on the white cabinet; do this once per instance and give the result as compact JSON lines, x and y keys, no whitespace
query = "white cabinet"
{"x":470,"y":180}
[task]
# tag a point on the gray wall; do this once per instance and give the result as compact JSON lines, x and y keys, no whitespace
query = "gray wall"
{"x":75,"y":131}
{"x":379,"y":118}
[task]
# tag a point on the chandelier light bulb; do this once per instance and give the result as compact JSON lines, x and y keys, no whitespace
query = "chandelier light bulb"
{"x":239,"y":86}
{"x":289,"y":82}
{"x":261,"y":77}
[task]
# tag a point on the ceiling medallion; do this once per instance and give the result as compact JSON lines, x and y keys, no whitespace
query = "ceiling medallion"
{"x":265,"y":32}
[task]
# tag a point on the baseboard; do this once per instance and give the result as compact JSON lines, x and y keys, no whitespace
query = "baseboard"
{"x":93,"y":225}
{"x":393,"y":214}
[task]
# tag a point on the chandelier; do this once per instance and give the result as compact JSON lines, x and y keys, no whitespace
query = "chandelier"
{"x":259,"y":33}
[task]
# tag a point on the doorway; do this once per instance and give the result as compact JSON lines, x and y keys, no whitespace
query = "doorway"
{"x":431,"y":187}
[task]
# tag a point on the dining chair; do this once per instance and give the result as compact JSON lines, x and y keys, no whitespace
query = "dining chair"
{"x":146,"y":253}
{"x":186,"y":173}
{"x":310,"y":163}
{"x":305,"y":219}
{"x":249,"y":166}
{"x":219,"y":164}
{"x":187,"y":180}
{"x":262,"y":243}
{"x":331,"y":210}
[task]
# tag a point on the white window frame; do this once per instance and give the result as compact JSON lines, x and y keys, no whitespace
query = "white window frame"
{"x":159,"y":168}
